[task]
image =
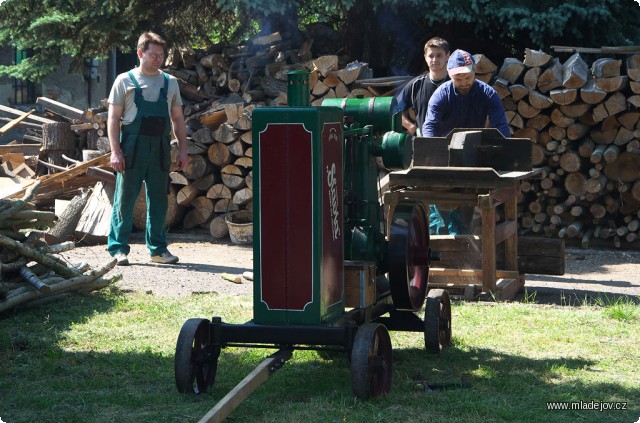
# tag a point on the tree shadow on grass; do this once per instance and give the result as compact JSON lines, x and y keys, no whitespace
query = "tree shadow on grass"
{"x":516,"y":387}
{"x":44,"y":382}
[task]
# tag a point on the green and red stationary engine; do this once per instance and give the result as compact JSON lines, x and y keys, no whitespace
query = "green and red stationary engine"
{"x":316,"y":204}
{"x":319,"y":229}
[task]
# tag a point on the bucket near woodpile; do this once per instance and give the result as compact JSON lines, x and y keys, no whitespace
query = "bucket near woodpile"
{"x":240,"y":224}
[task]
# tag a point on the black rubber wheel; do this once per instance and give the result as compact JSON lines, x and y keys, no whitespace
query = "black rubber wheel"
{"x":196,"y":359}
{"x":437,"y":321}
{"x":371,"y":361}
{"x":409,"y":256}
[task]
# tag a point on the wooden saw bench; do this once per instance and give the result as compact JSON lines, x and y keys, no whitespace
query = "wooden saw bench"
{"x":477,"y":266}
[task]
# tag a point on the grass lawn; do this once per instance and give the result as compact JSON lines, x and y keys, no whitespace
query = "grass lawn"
{"x":109,"y":357}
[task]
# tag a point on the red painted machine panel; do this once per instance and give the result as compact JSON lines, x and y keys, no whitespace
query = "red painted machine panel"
{"x":286,"y":219}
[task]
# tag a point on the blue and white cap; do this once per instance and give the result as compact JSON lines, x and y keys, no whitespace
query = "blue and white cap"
{"x":460,"y":62}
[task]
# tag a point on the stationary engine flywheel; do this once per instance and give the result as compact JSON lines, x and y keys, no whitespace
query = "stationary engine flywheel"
{"x":409,"y":256}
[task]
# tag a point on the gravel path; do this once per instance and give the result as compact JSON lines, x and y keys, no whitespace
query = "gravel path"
{"x":202,"y":262}
{"x":589,"y":273}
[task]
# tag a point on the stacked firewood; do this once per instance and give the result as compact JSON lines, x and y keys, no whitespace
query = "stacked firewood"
{"x":29,"y":270}
{"x":585,"y":128}
{"x":220,"y":91}
{"x":582,"y":119}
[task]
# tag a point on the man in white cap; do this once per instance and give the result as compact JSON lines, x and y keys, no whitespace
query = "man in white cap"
{"x":462,"y":102}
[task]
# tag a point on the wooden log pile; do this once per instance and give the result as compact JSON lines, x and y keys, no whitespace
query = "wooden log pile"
{"x":51,"y":145}
{"x":582,"y":118}
{"x":30,"y":272}
{"x":584,"y":123}
{"x":64,"y":168}
{"x":220,"y":91}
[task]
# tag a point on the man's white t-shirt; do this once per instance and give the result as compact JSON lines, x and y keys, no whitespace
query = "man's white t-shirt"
{"x":123,"y":92}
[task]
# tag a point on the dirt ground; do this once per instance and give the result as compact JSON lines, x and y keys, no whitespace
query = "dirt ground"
{"x":202,"y":262}
{"x":588,"y":273}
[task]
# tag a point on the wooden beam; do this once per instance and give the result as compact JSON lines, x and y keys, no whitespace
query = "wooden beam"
{"x":249,"y":384}
{"x":27,"y":125}
{"x":470,"y":273}
{"x":85,"y":126}
{"x":506,"y":230}
{"x":28,"y":149}
{"x":74,"y":172}
{"x":61,"y":109}
{"x":435,"y":197}
{"x":497,"y":197}
{"x":13,"y":123}
{"x":31,"y":138}
{"x":20,"y":113}
{"x":102,"y":175}
{"x":488,"y":250}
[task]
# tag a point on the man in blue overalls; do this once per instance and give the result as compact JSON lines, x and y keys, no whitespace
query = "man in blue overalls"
{"x":144,"y":104}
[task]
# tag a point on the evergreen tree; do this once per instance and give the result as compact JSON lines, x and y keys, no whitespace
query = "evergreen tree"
{"x":384,"y":32}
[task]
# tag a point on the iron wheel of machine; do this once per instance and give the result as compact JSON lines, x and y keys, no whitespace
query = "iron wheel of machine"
{"x":437,"y":321}
{"x":409,"y":256}
{"x":371,"y":361}
{"x":196,"y":359}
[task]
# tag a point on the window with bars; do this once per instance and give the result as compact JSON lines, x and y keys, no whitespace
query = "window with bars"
{"x":24,"y":91}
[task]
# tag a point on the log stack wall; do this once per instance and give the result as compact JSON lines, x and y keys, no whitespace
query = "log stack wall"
{"x":581,"y":114}
{"x":220,"y":91}
{"x":583,"y":120}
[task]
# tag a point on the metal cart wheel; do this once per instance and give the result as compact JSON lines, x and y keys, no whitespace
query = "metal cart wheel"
{"x":196,"y":359}
{"x":437,"y":321}
{"x":409,"y":256}
{"x":371,"y":361}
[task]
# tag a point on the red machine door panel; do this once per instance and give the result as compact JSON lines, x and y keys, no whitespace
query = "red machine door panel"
{"x":286,"y":218}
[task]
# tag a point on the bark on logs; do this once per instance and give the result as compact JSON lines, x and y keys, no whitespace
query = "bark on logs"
{"x":582,"y":118}
{"x":584,"y":121}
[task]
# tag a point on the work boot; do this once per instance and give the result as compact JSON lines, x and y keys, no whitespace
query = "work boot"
{"x":122,"y":259}
{"x":165,"y":258}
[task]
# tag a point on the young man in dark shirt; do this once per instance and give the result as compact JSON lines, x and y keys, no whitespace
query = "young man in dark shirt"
{"x":418,"y":91}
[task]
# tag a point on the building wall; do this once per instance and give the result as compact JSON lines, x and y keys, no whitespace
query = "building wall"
{"x":73,"y":89}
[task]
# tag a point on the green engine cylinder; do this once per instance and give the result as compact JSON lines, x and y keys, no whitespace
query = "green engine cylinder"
{"x":372,"y":130}
{"x":374,"y":111}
